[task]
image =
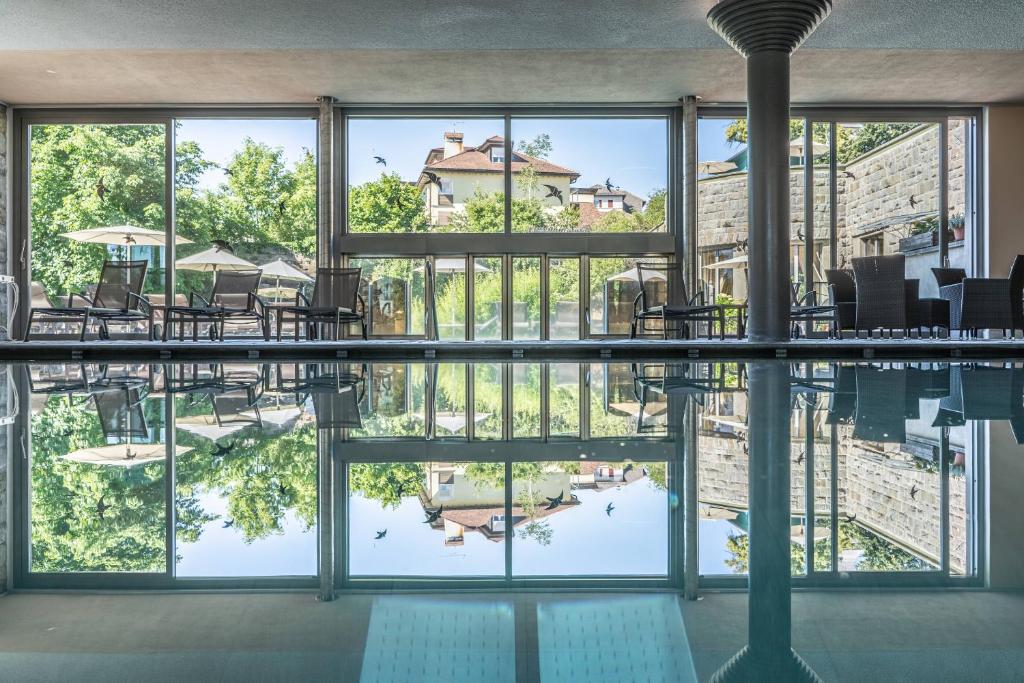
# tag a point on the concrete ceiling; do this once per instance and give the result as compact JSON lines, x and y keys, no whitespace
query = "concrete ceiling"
{"x":377,"y":51}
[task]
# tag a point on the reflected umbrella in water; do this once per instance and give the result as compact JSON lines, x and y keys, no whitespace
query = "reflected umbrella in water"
{"x":124,"y":455}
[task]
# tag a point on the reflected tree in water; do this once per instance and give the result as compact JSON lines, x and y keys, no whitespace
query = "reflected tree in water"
{"x":386,"y":482}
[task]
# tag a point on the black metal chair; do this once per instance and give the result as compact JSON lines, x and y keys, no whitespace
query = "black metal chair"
{"x":663,"y":298}
{"x":335,"y":301}
{"x":336,"y":391}
{"x":806,"y":309}
{"x":117,"y":298}
{"x":987,"y":303}
{"x":233,"y":300}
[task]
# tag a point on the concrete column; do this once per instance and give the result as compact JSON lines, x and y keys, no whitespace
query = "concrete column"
{"x":766,"y":32}
{"x":768,"y":196}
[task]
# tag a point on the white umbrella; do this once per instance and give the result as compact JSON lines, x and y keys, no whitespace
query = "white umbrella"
{"x":130,"y":235}
{"x":455,"y":265}
{"x":796,"y":147}
{"x":213,"y":260}
{"x":279,"y":270}
{"x":728,"y":263}
{"x":284,"y":271}
{"x":206,"y":426}
{"x":453,"y":421}
{"x":714,"y":167}
{"x":124,"y":455}
{"x":632,"y":276}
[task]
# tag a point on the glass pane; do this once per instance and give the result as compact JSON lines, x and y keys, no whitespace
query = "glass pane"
{"x":426,"y":519}
{"x":563,"y":298}
{"x":615,"y":407}
{"x":394,"y":402}
{"x":564,"y":399}
{"x":589,"y":175}
{"x":426,"y":175}
{"x":525,"y":298}
{"x":488,"y":395}
{"x":961,"y":473}
{"x":487,"y":288}
{"x":450,"y":297}
{"x":94,"y":176}
{"x":245,"y":192}
{"x":526,"y":411}
{"x":450,"y":415}
{"x":962,"y":217}
{"x":97,"y":470}
{"x":614,"y":287}
{"x":393,"y":289}
{"x":246,"y":475}
{"x":722,"y":208}
{"x":567,"y":515}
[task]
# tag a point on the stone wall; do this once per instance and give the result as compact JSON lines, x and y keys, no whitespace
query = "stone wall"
{"x":873,"y":188}
{"x":874,"y":486}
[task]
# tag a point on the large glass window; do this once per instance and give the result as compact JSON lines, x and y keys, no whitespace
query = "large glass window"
{"x":589,"y":174}
{"x":394,"y":292}
{"x":425,"y":175}
{"x":97,"y":194}
{"x":245,"y":192}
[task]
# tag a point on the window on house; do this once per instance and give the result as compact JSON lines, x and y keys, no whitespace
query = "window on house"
{"x":498,"y":154}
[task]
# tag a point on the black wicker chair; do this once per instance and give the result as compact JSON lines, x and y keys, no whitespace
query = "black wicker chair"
{"x":663,"y":298}
{"x":842,"y":293}
{"x":233,"y":300}
{"x":881,"y":294}
{"x":987,"y":303}
{"x":335,"y":301}
{"x":116,"y":299}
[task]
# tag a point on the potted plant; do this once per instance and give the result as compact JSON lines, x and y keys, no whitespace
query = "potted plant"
{"x":957,"y":224}
{"x":921,"y":234}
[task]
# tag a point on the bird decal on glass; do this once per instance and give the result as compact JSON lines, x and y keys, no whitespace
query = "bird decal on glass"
{"x":433,"y":516}
{"x":101,"y":189}
{"x":221,"y":245}
{"x":101,"y":508}
{"x":849,"y":174}
{"x":913,"y":202}
{"x":228,"y":523}
{"x":608,"y":184}
{"x":221,"y":450}
{"x":380,"y":160}
{"x":554,"y":192}
{"x":608,"y":510}
{"x":434,"y":178}
{"x":556,"y":501}
{"x":380,"y":535}
{"x":913,"y":491}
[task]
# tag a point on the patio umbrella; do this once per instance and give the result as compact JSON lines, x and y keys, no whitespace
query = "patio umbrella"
{"x":212,"y":260}
{"x":733,"y":262}
{"x":125,"y":235}
{"x":455,"y":265}
{"x":279,"y":270}
{"x":124,"y":455}
{"x":714,"y":167}
{"x":453,"y":422}
{"x":632,"y":276}
{"x":206,"y":426}
{"x":796,"y":147}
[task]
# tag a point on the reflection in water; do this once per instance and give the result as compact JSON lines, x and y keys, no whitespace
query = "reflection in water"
{"x":578,"y":465}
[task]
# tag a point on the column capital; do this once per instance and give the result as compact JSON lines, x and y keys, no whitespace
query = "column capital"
{"x":767,"y":25}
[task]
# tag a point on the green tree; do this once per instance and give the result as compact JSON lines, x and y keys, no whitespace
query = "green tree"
{"x":386,"y":205}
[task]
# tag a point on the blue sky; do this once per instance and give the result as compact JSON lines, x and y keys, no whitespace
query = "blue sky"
{"x":632,"y":152}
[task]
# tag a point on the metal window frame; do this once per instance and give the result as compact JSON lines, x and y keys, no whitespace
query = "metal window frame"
{"x":23,"y":118}
{"x":937,"y":114}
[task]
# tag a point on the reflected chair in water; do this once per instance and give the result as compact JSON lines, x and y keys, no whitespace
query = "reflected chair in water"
{"x":335,"y":301}
{"x":61,"y":378}
{"x":120,"y":413}
{"x":984,"y":392}
{"x":117,"y":298}
{"x":336,"y":391}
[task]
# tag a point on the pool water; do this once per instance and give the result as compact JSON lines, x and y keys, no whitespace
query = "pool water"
{"x":648,"y":483}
